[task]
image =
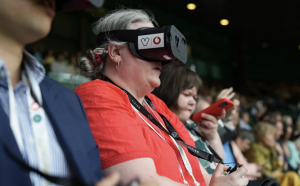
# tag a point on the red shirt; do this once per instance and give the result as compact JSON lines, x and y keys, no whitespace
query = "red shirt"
{"x":122,"y":135}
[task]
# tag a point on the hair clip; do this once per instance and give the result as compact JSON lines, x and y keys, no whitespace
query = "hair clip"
{"x":100,"y":51}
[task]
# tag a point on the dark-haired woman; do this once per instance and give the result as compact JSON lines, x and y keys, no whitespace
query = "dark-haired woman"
{"x":180,"y":89}
{"x":290,"y":152}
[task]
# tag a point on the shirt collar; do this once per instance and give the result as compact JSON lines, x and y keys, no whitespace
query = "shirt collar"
{"x":35,"y":68}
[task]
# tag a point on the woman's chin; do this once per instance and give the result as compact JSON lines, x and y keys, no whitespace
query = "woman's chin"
{"x":155,"y":83}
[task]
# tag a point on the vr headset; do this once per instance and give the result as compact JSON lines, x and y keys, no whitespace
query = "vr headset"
{"x":159,"y":44}
{"x":71,"y":5}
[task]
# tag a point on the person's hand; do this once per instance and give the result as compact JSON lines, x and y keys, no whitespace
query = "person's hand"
{"x":236,"y":178}
{"x":111,"y":180}
{"x":229,"y":94}
{"x":226,"y":93}
{"x":209,"y":125}
{"x":259,"y":167}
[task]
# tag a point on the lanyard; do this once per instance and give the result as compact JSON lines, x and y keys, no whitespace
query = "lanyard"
{"x":37,"y":116}
{"x":182,"y":154}
{"x":40,"y":133}
{"x":171,"y":130}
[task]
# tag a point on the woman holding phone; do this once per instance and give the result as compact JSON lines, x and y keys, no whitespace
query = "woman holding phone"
{"x":180,"y":89}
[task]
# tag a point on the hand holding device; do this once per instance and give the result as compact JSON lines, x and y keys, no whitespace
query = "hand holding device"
{"x":235,"y":179}
{"x":215,"y":109}
{"x":231,"y":170}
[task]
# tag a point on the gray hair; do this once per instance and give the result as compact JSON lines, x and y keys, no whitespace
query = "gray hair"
{"x":115,"y":20}
{"x":246,"y":134}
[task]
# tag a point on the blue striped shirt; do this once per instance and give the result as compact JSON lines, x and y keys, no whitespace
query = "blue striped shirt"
{"x":59,"y":165}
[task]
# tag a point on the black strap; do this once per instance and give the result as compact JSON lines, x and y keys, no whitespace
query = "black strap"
{"x":171,"y":130}
{"x":117,"y":35}
{"x":209,"y":147}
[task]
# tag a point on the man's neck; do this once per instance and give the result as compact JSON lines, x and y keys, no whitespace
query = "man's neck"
{"x":11,"y":53}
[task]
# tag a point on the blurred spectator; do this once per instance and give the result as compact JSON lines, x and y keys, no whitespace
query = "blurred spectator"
{"x":59,"y":65}
{"x":235,"y":148}
{"x":49,"y":58}
{"x":38,"y":53}
{"x":244,"y":121}
{"x":78,"y":54}
{"x":275,"y":116}
{"x":279,"y":130}
{"x":71,"y":68}
{"x":66,"y":56}
{"x":287,"y":120}
{"x":263,"y":152}
{"x":290,"y":153}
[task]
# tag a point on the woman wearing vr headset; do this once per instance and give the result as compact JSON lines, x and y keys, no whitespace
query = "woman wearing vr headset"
{"x":137,"y":134}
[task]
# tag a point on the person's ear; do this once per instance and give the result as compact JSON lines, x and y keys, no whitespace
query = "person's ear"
{"x":114,"y":52}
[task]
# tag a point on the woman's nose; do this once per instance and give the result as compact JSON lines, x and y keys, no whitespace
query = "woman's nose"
{"x":192,"y":102}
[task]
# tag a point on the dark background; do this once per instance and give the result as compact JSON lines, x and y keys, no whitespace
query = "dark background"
{"x":260,"y":46}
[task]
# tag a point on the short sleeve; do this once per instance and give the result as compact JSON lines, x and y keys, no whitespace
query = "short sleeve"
{"x":114,"y":124}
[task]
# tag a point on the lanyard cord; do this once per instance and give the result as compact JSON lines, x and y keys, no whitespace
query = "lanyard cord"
{"x":73,"y":181}
{"x":171,"y":130}
{"x":208,"y":146}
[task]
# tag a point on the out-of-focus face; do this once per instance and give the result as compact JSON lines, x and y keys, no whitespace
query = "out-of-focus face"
{"x":268,"y":140}
{"x":245,"y":118}
{"x":278,"y":117}
{"x":144,"y":74}
{"x":279,"y":130}
{"x":186,"y":104}
{"x":26,"y":21}
{"x":289,"y":121}
{"x":289,"y":132}
{"x":235,"y":118}
{"x":243,"y":144}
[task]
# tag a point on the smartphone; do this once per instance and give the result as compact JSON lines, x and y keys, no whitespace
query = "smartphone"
{"x":215,"y":109}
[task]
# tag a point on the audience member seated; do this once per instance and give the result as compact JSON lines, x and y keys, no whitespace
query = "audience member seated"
{"x":49,"y":58}
{"x":59,"y":65}
{"x":228,"y":125}
{"x":129,"y":142}
{"x":179,"y":89}
{"x":244,"y":121}
{"x":38,"y":53}
{"x":290,"y":153}
{"x":71,"y":68}
{"x":234,"y":153}
{"x":263,"y":152}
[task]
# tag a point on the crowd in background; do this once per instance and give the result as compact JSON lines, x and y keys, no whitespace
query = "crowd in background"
{"x":62,"y":61}
{"x":260,"y":136}
{"x":264,"y":109}
{"x":135,"y":115}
